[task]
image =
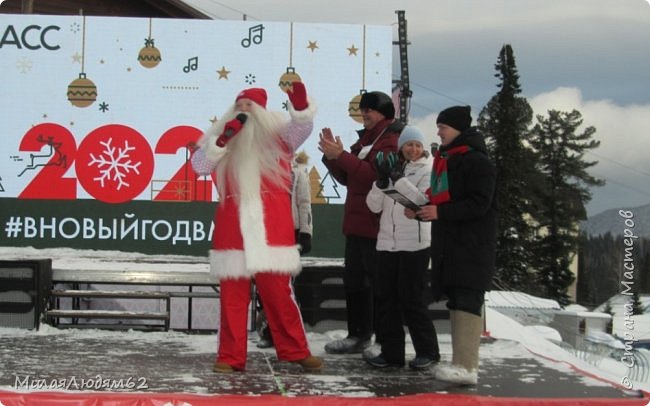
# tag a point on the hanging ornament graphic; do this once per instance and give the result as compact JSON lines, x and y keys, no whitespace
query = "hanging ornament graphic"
{"x":82,"y":92}
{"x":149,"y":56}
{"x":353,"y":107}
{"x":286,"y":80}
{"x":290,"y":76}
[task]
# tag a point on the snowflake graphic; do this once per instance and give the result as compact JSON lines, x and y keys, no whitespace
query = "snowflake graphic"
{"x":114,"y":164}
{"x":24,"y":65}
{"x":250,"y":79}
{"x":75,"y":27}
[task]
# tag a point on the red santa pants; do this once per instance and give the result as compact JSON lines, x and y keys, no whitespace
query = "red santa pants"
{"x":281,"y":311}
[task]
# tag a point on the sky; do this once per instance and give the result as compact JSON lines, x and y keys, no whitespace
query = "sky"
{"x":589,"y":55}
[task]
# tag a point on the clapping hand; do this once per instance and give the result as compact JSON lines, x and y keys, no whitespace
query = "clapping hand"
{"x":385,"y":165}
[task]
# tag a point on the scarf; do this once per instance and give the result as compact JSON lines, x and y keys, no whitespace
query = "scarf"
{"x":439,"y":191}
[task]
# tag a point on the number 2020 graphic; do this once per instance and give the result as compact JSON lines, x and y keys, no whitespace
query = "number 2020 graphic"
{"x":114,"y":163}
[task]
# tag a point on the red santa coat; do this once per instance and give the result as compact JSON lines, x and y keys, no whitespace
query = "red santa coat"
{"x":257,"y":233}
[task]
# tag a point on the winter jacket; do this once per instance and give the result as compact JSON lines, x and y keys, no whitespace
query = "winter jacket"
{"x":463,"y":239}
{"x":254,"y":234}
{"x":396,"y":231}
{"x":358,"y":175}
{"x":301,"y":199}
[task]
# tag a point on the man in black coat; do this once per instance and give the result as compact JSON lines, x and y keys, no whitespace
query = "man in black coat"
{"x":463,"y":212}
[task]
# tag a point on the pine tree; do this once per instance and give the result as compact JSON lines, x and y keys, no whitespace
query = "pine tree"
{"x":565,"y":182}
{"x":599,"y":259}
{"x":505,"y":122}
{"x":644,"y":265}
{"x":637,"y":306}
{"x":610,"y":323}
{"x":608,"y":308}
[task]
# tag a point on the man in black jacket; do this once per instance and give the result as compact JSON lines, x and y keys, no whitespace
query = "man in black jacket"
{"x":463,"y":212}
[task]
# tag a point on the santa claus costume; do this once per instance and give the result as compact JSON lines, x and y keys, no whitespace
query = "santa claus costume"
{"x":250,"y":149}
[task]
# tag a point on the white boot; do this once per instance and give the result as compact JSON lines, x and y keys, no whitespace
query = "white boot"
{"x":466,"y":331}
{"x":457,"y":374}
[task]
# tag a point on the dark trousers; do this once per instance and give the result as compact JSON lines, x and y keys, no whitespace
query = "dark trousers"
{"x":359,"y":279}
{"x":465,"y":299}
{"x":401,"y":288}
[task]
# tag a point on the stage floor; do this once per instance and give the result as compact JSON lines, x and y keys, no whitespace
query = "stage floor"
{"x":173,"y":362}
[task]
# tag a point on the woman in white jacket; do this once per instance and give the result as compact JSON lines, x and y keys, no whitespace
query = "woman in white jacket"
{"x":403,"y":259}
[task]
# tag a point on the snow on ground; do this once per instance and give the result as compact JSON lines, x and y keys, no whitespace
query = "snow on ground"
{"x":498,"y":325}
{"x":502,"y":327}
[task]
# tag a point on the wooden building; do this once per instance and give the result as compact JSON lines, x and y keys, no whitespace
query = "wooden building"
{"x":126,"y":8}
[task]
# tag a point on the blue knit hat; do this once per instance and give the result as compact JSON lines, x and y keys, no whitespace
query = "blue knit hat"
{"x":410,"y":133}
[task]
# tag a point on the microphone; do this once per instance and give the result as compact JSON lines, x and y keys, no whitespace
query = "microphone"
{"x":241,"y":117}
{"x":231,"y":128}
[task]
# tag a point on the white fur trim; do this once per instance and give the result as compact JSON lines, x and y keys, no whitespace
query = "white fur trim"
{"x":227,"y":264}
{"x":209,"y":140}
{"x":303,"y":115}
{"x":232,"y":264}
{"x":258,"y":255}
{"x":285,"y":259}
{"x":251,"y":223}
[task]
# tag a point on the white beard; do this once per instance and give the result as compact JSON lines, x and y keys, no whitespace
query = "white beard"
{"x":254,"y":152}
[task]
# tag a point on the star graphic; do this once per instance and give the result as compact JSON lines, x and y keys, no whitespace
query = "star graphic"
{"x":103,"y":107}
{"x":76,"y":58}
{"x":223,"y":73}
{"x":352,"y":50}
{"x":180,"y":192}
{"x":213,"y":119}
{"x":312,"y":45}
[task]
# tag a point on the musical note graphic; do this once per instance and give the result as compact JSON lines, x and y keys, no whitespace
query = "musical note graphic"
{"x":257,"y":38}
{"x":192,"y":64}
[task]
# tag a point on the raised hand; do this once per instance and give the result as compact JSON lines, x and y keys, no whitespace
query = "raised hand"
{"x":298,"y":96}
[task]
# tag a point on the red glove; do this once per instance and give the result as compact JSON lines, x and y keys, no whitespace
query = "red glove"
{"x":231,"y":129}
{"x":298,"y":96}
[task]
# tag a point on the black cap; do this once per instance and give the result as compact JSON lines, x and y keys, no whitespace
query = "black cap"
{"x":378,"y":101}
{"x":458,"y":117}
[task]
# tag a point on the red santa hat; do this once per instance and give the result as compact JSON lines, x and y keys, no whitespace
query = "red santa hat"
{"x":256,"y":94}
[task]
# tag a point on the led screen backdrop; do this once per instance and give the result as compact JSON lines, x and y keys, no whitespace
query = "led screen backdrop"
{"x":105,"y":108}
{"x":99,"y":112}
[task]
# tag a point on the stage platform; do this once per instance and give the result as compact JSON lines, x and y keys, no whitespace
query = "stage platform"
{"x":83,"y":367}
